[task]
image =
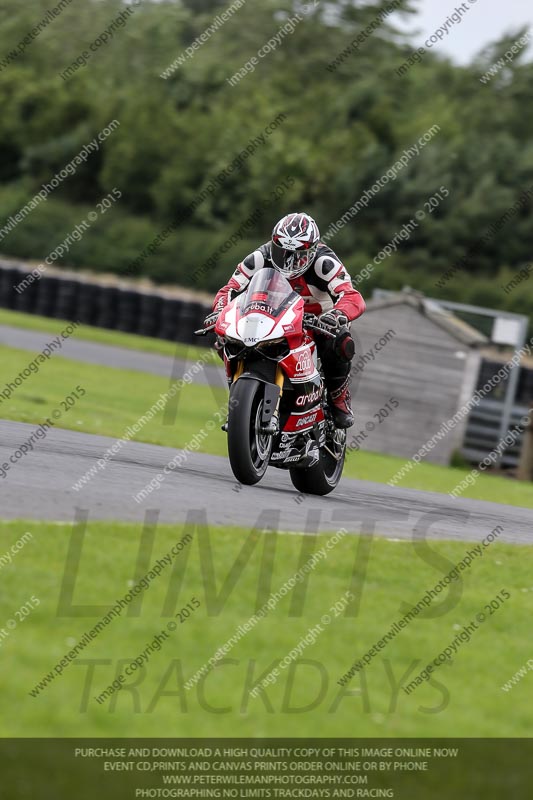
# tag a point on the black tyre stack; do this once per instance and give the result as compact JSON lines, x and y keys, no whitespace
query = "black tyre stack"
{"x":150,"y":306}
{"x":88,"y":303}
{"x":105,"y":305}
{"x":128,"y":310}
{"x":66,"y":298}
{"x":47,"y":294}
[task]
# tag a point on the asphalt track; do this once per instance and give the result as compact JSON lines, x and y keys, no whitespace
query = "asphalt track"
{"x":39,"y":486}
{"x":109,"y":355}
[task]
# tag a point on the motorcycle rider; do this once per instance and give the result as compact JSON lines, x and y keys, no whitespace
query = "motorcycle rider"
{"x":316,"y":273}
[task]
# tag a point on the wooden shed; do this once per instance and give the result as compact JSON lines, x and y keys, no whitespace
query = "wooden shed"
{"x":415,"y":366}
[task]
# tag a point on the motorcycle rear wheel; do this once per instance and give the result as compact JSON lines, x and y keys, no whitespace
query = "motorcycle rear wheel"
{"x":249,"y":450}
{"x":324,"y":476}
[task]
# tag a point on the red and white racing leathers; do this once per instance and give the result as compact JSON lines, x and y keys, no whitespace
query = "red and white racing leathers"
{"x":325,"y":285}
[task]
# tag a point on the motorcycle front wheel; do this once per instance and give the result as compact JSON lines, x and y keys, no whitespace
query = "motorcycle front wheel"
{"x":249,"y":449}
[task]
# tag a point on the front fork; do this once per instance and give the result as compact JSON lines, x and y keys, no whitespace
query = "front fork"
{"x":271,"y":399}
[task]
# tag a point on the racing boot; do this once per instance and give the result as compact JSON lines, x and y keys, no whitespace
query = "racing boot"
{"x":340,"y":402}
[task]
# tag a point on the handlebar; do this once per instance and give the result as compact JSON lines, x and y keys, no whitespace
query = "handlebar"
{"x":209,"y":324}
{"x":204,"y":331}
{"x":310,"y":321}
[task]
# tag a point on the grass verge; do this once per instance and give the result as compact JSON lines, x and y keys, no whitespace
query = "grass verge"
{"x":131,"y":341}
{"x":462,"y":698}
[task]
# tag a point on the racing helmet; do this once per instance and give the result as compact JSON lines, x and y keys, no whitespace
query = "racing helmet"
{"x":294,"y":244}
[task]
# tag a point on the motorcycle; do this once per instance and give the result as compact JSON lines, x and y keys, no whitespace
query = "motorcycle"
{"x":278,"y":413}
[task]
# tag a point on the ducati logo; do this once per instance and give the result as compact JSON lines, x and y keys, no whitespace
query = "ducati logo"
{"x":306,"y":420}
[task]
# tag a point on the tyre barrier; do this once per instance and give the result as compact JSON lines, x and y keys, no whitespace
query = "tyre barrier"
{"x":26,"y":301}
{"x":125,"y":308}
{"x":149,"y":314}
{"x":8,"y":279}
{"x":47,"y":294}
{"x":168,"y":325}
{"x":128,"y":307}
{"x":88,"y":303}
{"x":67,"y":296}
{"x":108,"y":308}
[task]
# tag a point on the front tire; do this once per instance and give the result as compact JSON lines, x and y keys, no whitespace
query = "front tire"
{"x":324,"y":476}
{"x":248,"y":449}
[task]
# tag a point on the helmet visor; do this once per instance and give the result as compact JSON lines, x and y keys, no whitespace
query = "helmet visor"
{"x":292,"y":263}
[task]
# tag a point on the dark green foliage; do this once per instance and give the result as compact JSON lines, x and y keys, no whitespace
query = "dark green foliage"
{"x":344,"y":128}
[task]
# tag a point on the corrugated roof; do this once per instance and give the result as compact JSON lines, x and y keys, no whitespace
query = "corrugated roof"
{"x":442,"y":317}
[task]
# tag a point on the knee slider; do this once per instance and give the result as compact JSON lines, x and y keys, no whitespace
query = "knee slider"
{"x":344,"y":347}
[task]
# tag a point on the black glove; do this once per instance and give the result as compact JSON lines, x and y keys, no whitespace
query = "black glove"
{"x":334,"y":319}
{"x":211,"y":319}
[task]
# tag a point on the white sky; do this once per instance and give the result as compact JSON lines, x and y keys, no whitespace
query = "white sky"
{"x":485,"y":21}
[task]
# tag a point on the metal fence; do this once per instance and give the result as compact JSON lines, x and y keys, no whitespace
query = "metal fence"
{"x":482,"y":435}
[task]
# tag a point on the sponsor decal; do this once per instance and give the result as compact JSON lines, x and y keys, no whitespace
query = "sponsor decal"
{"x":304,"y":363}
{"x":287,"y":437}
{"x":257,"y":306}
{"x":307,"y":420}
{"x":290,"y":244}
{"x":309,"y":398}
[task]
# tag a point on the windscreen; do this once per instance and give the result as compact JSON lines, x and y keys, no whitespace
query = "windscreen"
{"x":268,"y":292}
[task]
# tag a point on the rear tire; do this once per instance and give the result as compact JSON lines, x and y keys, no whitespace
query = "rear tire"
{"x":324,"y":476}
{"x":249,"y":450}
